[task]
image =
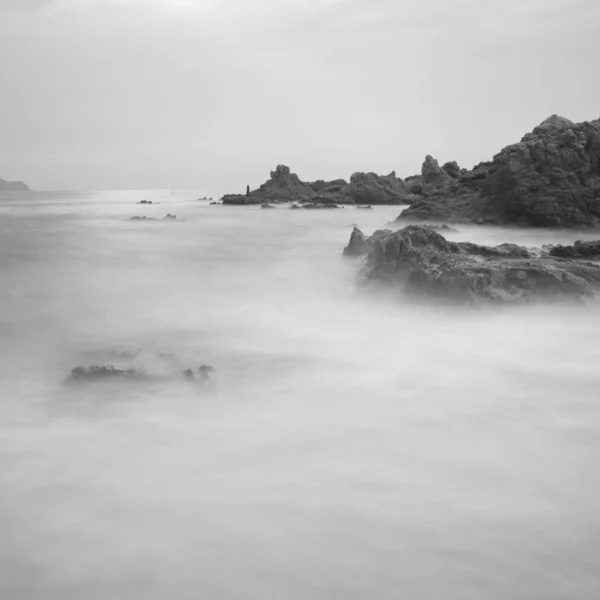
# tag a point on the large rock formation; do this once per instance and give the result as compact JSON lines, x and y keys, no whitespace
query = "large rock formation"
{"x":420,"y":261}
{"x":282,"y":186}
{"x":551,"y":178}
{"x":13,"y":186}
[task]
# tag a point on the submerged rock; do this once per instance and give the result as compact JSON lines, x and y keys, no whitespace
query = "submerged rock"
{"x":202,"y":373}
{"x":106,"y":372}
{"x":420,"y":261}
{"x":103,"y":372}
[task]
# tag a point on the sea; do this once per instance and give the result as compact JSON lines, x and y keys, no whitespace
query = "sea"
{"x":352,"y":445}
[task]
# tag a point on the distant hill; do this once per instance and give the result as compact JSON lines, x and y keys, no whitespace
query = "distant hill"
{"x":13,"y":186}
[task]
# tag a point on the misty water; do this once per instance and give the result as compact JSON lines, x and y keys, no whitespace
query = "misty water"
{"x":353,"y":445}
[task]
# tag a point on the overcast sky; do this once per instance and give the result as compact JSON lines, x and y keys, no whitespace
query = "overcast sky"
{"x":212,"y":94}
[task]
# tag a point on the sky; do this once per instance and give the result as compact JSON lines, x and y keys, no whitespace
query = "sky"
{"x":213,"y":94}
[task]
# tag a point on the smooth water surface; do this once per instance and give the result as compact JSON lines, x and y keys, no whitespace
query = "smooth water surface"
{"x":352,"y":446}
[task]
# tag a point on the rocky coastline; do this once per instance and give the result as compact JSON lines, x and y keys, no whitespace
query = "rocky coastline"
{"x":550,"y":178}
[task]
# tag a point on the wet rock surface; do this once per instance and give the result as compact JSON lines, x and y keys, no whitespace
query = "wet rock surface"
{"x":420,"y":261}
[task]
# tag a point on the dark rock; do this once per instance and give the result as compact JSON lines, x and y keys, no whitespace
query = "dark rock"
{"x":215,"y":203}
{"x":370,"y":188}
{"x":452,"y":169}
{"x":145,"y":202}
{"x":282,"y":186}
{"x":103,"y":372}
{"x":579,"y":249}
{"x":170,"y":217}
{"x":551,"y":178}
{"x":202,"y":373}
{"x":431,"y":172}
{"x":422,"y":262}
{"x":368,"y":206}
{"x":267,"y":206}
{"x":138,"y":218}
{"x":13,"y":186}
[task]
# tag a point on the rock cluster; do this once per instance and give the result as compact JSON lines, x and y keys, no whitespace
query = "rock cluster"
{"x":106,"y":372}
{"x":365,"y":188}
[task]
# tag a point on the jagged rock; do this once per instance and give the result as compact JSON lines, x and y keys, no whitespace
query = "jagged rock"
{"x":452,"y":169}
{"x":145,"y":202}
{"x":170,"y":217}
{"x":265,"y":205}
{"x":422,"y":262}
{"x":13,"y":186}
{"x":579,"y":249}
{"x":431,"y":172}
{"x":360,"y":244}
{"x":215,"y":203}
{"x":370,"y":188}
{"x":551,"y":178}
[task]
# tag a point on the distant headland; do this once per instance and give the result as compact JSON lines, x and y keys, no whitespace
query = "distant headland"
{"x":13,"y":186}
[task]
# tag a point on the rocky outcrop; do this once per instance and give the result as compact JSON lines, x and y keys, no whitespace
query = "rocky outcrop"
{"x":282,"y":186}
{"x":431,"y":172}
{"x":13,"y":186}
{"x":420,"y":261}
{"x":360,"y":244}
{"x":551,"y":178}
{"x":589,"y":250}
{"x":363,"y":188}
{"x":370,"y":188}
